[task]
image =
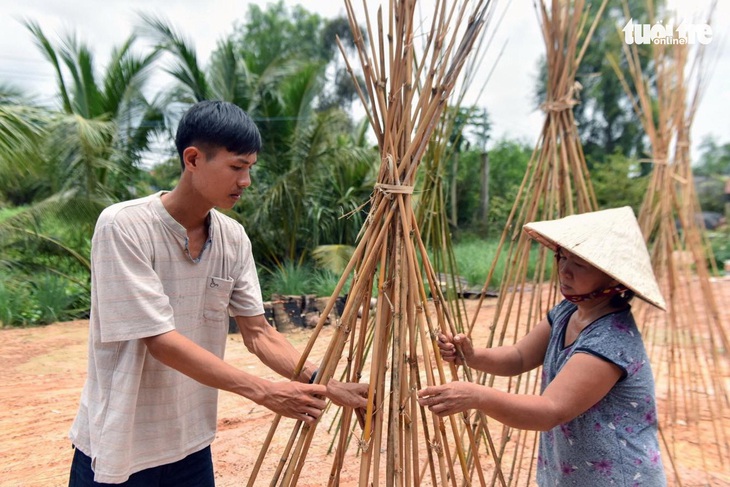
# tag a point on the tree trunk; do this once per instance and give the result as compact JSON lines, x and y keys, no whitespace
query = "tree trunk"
{"x":483,"y":212}
{"x":454,"y":191}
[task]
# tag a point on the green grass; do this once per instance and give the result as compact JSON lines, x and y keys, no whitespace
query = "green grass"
{"x":40,"y":299}
{"x":17,"y":308}
{"x":324,"y":283}
{"x":289,"y":279}
{"x":720,"y":246}
{"x":474,"y":258}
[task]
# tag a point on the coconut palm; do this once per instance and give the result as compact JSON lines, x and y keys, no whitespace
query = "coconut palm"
{"x":74,"y":160}
{"x":318,"y":193}
{"x":107,"y":121}
{"x":310,"y":172}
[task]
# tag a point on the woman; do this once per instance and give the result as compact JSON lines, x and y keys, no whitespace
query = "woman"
{"x":597,"y":408}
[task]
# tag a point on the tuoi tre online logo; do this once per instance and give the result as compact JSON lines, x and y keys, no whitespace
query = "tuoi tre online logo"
{"x":684,"y":33}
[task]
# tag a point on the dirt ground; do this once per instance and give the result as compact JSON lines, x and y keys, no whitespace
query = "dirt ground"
{"x":43,"y":371}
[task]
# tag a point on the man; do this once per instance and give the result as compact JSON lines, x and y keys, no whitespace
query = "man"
{"x":167,"y":270}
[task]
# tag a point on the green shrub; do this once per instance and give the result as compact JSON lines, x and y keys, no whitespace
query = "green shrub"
{"x":56,"y":298}
{"x":324,"y":283}
{"x":720,"y":245}
{"x":18,"y":308}
{"x":40,"y":299}
{"x":288,"y":278}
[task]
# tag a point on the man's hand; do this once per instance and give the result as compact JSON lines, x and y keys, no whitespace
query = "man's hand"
{"x":348,"y":394}
{"x":303,"y":402}
{"x":449,"y":347}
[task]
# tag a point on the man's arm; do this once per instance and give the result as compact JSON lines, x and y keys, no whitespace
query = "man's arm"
{"x":274,"y":350}
{"x":291,"y":399}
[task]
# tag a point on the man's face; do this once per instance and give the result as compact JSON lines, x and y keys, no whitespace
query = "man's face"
{"x":221,"y":176}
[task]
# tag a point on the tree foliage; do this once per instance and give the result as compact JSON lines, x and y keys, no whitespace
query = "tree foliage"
{"x":606,"y":120}
{"x":712,"y":173}
{"x":60,"y":166}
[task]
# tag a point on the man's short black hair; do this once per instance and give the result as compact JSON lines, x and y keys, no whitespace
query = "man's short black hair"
{"x":213,"y":125}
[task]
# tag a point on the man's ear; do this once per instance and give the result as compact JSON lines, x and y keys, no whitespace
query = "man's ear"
{"x":192,"y":156}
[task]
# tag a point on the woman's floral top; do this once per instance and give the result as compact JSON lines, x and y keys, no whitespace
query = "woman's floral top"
{"x":615,"y":441}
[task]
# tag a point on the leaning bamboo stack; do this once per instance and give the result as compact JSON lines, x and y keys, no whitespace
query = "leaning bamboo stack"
{"x":406,"y":92}
{"x":556,"y":184}
{"x":439,"y":173}
{"x":688,"y":345}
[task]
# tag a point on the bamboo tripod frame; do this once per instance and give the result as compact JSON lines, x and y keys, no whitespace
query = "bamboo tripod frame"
{"x":556,"y":184}
{"x":688,"y":345}
{"x":405,"y":94}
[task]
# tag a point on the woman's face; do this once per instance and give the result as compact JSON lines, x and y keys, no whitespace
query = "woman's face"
{"x":578,"y":276}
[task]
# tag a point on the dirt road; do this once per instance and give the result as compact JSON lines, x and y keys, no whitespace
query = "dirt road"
{"x":41,"y":377}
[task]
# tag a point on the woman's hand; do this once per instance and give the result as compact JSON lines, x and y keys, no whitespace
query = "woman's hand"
{"x":449,"y":347}
{"x":451,"y":398}
{"x":350,"y":394}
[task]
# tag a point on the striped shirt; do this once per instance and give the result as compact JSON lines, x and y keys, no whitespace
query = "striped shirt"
{"x":135,"y":412}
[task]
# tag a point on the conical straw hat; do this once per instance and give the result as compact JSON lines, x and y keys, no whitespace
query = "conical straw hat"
{"x":611,"y":241}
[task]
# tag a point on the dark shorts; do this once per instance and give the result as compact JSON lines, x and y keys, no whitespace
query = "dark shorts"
{"x":195,"y":470}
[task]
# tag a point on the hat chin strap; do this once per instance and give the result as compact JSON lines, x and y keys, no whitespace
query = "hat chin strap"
{"x":599,"y":293}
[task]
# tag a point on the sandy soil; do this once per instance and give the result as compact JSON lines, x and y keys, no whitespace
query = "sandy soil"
{"x":43,"y":371}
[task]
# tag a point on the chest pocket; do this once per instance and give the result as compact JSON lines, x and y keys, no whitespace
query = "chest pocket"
{"x":217,"y":296}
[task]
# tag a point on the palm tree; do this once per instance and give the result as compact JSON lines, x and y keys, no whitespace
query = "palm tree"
{"x":317,"y":196}
{"x":107,"y":123}
{"x":74,"y":160}
{"x":310,"y":173}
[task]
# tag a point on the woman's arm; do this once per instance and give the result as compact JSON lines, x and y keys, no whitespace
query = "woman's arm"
{"x":583,"y":382}
{"x":507,"y":360}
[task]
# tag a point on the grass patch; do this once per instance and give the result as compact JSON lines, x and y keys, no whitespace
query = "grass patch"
{"x":474,"y":258}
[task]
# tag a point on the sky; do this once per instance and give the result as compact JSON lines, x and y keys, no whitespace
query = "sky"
{"x":512,"y":56}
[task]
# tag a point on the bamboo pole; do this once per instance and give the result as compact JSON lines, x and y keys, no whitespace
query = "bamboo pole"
{"x":687,"y":345}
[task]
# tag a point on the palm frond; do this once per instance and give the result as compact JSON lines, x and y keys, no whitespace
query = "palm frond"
{"x":334,"y":258}
{"x":186,"y":70}
{"x":49,"y":52}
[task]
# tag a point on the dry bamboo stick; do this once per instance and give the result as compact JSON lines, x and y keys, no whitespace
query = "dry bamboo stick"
{"x":671,"y":195}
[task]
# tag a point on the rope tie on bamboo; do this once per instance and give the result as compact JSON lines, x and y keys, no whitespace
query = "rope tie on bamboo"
{"x":566,"y":102}
{"x":390,"y":189}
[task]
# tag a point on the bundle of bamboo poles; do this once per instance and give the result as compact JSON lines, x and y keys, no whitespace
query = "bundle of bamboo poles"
{"x":556,"y":184}
{"x":405,"y":94}
{"x":688,"y":346}
{"x":441,"y":166}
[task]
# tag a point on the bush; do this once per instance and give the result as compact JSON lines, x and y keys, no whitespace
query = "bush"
{"x":57,"y":299}
{"x":18,"y":309}
{"x":40,"y":300}
{"x":324,"y":283}
{"x":720,"y":246}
